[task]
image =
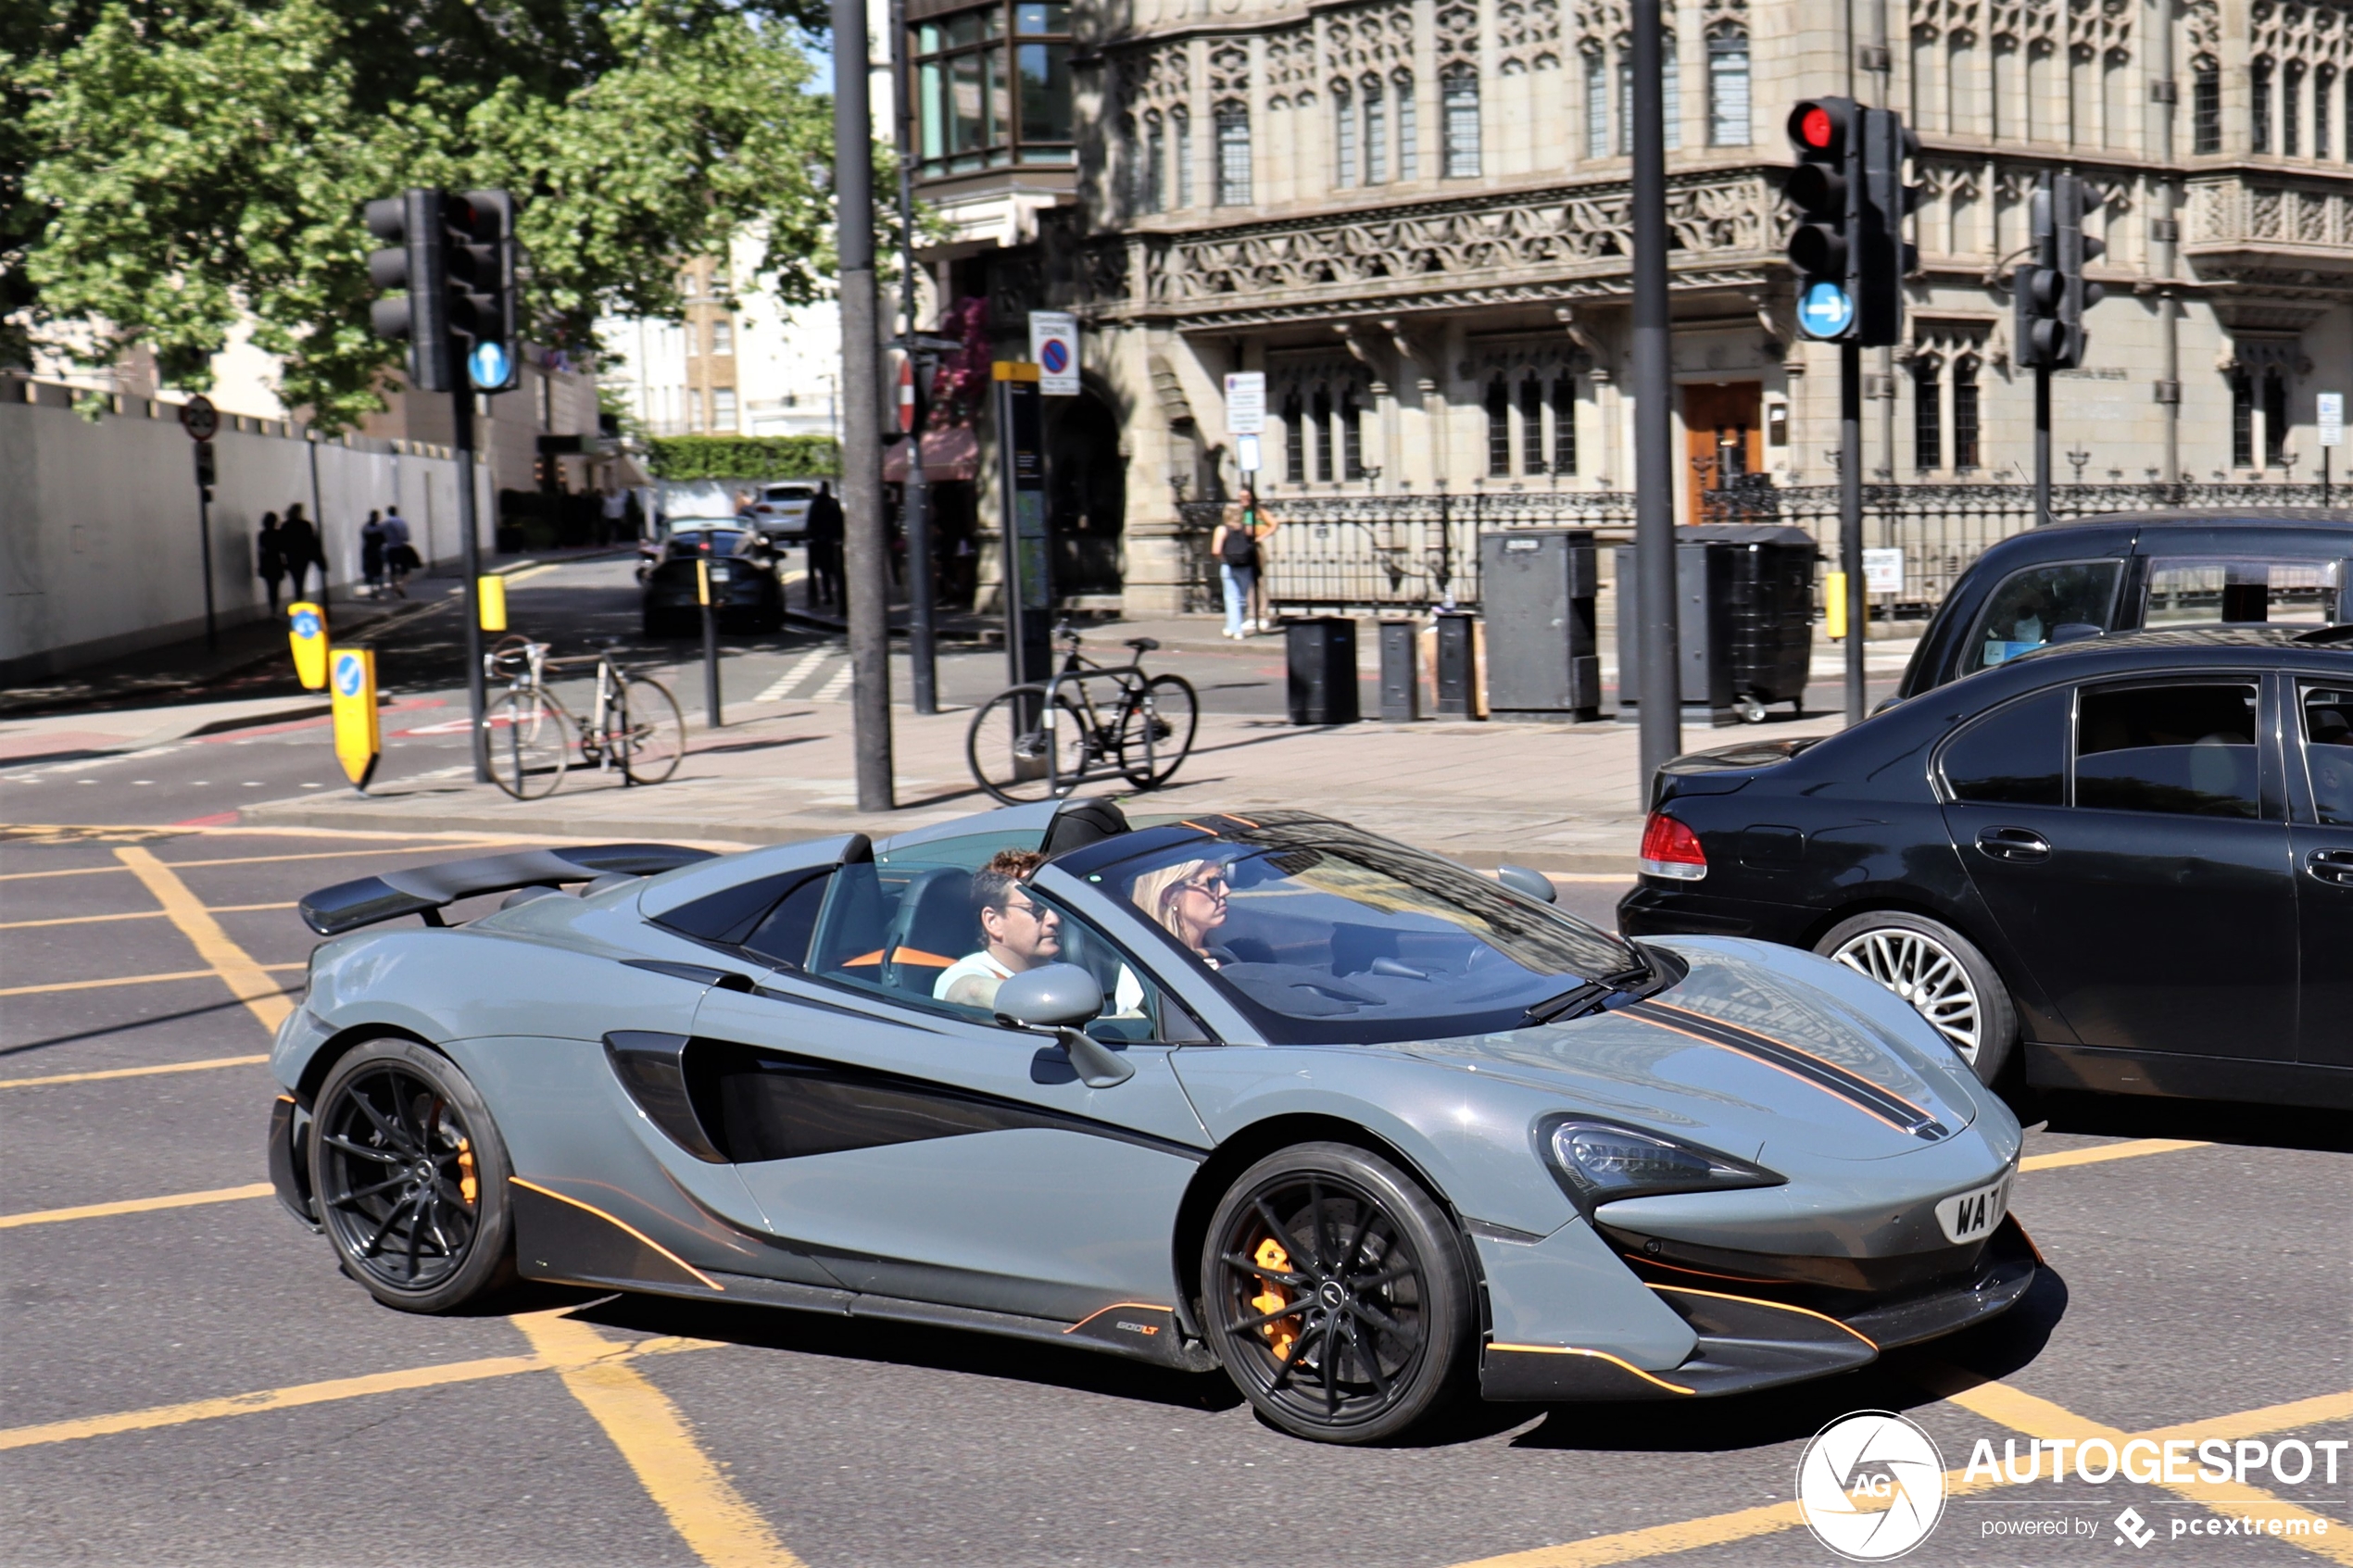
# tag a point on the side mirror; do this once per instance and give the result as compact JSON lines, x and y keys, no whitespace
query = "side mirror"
{"x":1536,"y":884}
{"x":1060,"y":999}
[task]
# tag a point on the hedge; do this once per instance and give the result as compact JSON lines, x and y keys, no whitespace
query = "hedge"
{"x":743,"y":457}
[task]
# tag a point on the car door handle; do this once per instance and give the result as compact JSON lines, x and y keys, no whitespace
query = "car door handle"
{"x":2014,"y":844}
{"x":2331,"y":865}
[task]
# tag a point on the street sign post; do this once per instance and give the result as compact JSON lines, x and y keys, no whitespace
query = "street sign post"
{"x":1029,"y":588}
{"x":358,"y":737}
{"x":1883,"y":571}
{"x":1246,"y":454}
{"x":1246,"y":403}
{"x":1053,"y":348}
{"x":306,"y":633}
{"x":199,"y":417}
{"x":202,"y":421}
{"x":2330,"y":407}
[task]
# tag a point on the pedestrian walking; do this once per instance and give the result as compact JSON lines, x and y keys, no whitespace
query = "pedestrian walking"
{"x":400,"y":553}
{"x":616,"y":511}
{"x":298,"y":547}
{"x":824,"y":524}
{"x":372,"y":554}
{"x":269,"y":558}
{"x":1236,"y":547}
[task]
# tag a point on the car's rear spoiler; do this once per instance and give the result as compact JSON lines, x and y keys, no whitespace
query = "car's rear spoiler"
{"x":427,"y":890}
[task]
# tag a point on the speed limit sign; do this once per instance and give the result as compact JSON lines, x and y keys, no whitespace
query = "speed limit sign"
{"x":198,"y":417}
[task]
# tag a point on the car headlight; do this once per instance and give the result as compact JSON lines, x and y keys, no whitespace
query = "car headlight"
{"x":1598,"y":1162}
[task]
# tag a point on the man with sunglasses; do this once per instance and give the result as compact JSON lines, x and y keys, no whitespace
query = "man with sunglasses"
{"x":1016,"y":934}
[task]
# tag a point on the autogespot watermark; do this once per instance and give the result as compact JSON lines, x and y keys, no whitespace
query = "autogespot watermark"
{"x":1871,"y":1486}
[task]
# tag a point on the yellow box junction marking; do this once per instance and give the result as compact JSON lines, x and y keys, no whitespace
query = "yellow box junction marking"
{"x":206,"y":1065}
{"x":134,"y":1206}
{"x":703,"y":1507}
{"x":249,"y":980}
{"x":126,"y":980}
{"x":2107,"y":1151}
{"x":132,"y":914}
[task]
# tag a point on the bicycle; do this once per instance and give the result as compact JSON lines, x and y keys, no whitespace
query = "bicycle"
{"x":527,"y":735}
{"x":1033,"y":741}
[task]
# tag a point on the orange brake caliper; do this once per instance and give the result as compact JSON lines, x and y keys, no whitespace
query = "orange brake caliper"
{"x":468,"y":1187}
{"x":1281,"y":1332}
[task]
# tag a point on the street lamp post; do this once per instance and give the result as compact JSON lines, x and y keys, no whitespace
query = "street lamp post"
{"x":916,"y":495}
{"x":1658,"y":642}
{"x":865,"y":569}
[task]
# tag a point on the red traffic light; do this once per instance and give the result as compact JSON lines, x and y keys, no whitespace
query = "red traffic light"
{"x":1814,"y":127}
{"x":1821,"y":128}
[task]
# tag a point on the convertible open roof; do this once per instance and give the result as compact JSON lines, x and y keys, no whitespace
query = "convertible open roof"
{"x":427,"y":890}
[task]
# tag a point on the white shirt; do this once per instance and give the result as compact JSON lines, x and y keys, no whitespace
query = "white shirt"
{"x":1127,"y":992}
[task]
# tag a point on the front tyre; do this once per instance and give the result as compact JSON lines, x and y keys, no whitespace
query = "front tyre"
{"x":1156,"y":730}
{"x":650,"y":734}
{"x":1337,"y":1296}
{"x":1020,"y":749}
{"x":1941,"y":972}
{"x":529,"y":744}
{"x":409,"y":1176}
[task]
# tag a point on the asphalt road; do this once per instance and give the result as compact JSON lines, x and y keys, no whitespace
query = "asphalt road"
{"x":192,"y":1382}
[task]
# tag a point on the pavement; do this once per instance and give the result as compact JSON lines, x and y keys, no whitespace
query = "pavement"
{"x":185,"y":1379}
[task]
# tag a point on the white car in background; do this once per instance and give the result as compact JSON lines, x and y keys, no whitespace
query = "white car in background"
{"x":781,"y":510}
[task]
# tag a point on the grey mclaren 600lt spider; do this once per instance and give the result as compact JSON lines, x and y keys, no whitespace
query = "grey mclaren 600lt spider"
{"x":1367,"y":1129}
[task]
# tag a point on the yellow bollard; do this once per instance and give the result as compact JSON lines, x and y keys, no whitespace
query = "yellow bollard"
{"x":358,"y":737}
{"x":491,"y":591}
{"x":306,"y":631}
{"x":1834,"y":606}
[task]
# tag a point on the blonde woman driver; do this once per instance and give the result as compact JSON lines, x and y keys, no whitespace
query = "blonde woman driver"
{"x":1189,"y":899}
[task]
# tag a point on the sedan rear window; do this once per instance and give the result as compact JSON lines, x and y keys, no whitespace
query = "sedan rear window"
{"x":2015,"y":756}
{"x":1323,"y":934}
{"x":2186,"y":749}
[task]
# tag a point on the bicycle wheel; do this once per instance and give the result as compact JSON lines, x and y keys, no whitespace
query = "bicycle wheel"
{"x":528,"y":736}
{"x":1156,"y":730}
{"x":1016,"y":755}
{"x":649,"y":734}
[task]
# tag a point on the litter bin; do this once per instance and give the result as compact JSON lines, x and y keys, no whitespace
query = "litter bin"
{"x":1321,"y":653}
{"x":1401,"y":671}
{"x":1744,"y":607}
{"x":1536,"y":593}
{"x":1457,"y":661}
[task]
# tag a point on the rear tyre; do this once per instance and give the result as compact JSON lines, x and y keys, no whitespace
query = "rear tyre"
{"x":529,"y":744}
{"x":1156,"y":734}
{"x":1016,"y":755}
{"x":409,"y":1176}
{"x":1941,"y":972}
{"x":650,"y":734}
{"x":1337,"y":1296}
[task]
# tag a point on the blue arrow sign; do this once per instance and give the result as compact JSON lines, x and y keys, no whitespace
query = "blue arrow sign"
{"x":489,"y":365}
{"x":306,"y":623}
{"x":348,"y":675}
{"x":1825,"y":310}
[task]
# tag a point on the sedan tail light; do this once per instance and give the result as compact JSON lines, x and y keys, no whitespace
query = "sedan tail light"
{"x":1671,"y":850}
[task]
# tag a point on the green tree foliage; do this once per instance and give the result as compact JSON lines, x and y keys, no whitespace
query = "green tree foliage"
{"x":180,"y":162}
{"x":743,"y":457}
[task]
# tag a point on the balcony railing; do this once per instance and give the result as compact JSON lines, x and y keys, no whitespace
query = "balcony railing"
{"x":1413,"y":553}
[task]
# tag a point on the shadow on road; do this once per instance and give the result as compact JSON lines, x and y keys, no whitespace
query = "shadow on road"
{"x":2203,"y":1120}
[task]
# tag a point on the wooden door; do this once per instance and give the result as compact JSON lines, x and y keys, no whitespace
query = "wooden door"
{"x":1723,"y":437}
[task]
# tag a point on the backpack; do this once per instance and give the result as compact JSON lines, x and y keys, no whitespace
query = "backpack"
{"x":1241,"y":547}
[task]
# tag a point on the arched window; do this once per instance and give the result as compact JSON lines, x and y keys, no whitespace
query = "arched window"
{"x":1596,"y":105}
{"x":1376,"y":132}
{"x":1499,"y":429}
{"x":2241,"y":420}
{"x":2292,"y":109}
{"x":1294,"y":440}
{"x":1351,"y":435}
{"x":1233,"y":154}
{"x":2323,"y":85}
{"x":1344,"y":136}
{"x":1728,"y":108}
{"x":1155,"y":192}
{"x":1459,"y":100}
{"x":1409,"y":129}
{"x":1964,"y":413}
{"x":2205,"y":105}
{"x":1565,"y":424}
{"x":1531,"y":424}
{"x":2258,"y":106}
{"x":2275,"y":421}
{"x":1323,"y":423}
{"x":1670,"y":95}
{"x":1182,"y":134}
{"x":1928,"y":414}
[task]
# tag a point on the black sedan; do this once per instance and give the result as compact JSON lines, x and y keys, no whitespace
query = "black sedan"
{"x":2137,"y":571}
{"x":2125,"y":860}
{"x":744,"y":584}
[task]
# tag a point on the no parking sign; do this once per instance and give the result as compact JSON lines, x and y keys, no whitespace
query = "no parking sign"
{"x":1053,"y":348}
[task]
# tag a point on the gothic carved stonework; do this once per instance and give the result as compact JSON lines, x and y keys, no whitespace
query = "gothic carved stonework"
{"x":1528,"y":35}
{"x":1159,"y":77}
{"x":1404,"y":250}
{"x":2313,"y":35}
{"x":1612,"y":287}
{"x":1458,"y":31}
{"x":1370,"y":39}
{"x":1229,"y":70}
{"x":2201,"y":19}
{"x":1291,"y":67}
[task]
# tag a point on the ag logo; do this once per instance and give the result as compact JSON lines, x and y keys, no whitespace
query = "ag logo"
{"x":1870,"y":1486}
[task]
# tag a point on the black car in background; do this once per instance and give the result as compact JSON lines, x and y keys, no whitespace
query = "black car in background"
{"x":2128,"y":859}
{"x":2137,"y":571}
{"x":744,"y":584}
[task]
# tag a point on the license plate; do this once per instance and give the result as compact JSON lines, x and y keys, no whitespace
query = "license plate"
{"x":1972,"y":1216}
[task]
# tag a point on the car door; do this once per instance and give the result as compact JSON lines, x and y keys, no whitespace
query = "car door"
{"x":2321,"y":732}
{"x":925,"y":1151}
{"x":2155,"y":907}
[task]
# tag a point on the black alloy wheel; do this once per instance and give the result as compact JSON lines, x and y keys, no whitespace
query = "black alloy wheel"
{"x":1336,"y":1293}
{"x":409,"y":1178}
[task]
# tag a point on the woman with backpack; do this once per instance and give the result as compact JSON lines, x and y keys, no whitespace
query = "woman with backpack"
{"x":1234,"y":546}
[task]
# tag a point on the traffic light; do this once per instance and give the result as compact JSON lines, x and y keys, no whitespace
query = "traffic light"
{"x":1884,"y":258}
{"x":487,"y":221}
{"x":1827,"y":189}
{"x":414,"y":272}
{"x":452,"y":259}
{"x":2050,"y":294}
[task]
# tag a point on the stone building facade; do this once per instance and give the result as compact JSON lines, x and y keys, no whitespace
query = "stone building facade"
{"x":1412,"y":216}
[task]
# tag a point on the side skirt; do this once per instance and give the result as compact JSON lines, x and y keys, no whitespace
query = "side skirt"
{"x":2105,"y":1070}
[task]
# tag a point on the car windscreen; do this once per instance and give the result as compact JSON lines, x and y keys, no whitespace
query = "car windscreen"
{"x":724,"y":541}
{"x":1322,"y":933}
